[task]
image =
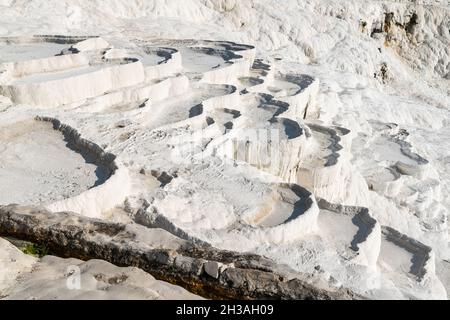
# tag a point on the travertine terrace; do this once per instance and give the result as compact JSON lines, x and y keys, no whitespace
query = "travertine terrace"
{"x":223,"y":151}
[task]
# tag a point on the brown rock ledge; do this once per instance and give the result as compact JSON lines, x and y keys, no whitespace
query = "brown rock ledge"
{"x":206,"y":271}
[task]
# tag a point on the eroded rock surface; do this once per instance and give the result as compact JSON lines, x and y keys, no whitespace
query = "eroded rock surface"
{"x":204,"y":270}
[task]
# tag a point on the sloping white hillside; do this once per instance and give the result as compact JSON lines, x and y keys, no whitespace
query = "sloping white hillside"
{"x":355,"y":93}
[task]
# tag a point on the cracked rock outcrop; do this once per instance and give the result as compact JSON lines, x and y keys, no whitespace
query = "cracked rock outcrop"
{"x":204,"y":270}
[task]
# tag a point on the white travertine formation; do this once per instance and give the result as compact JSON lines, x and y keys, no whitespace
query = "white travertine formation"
{"x":100,"y":199}
{"x":51,"y":93}
{"x":354,"y":93}
{"x":13,"y":263}
{"x":23,"y":276}
{"x":53,"y":64}
{"x":91,"y":44}
{"x":172,"y":65}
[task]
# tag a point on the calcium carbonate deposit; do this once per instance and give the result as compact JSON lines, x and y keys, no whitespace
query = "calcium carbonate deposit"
{"x":314,"y":133}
